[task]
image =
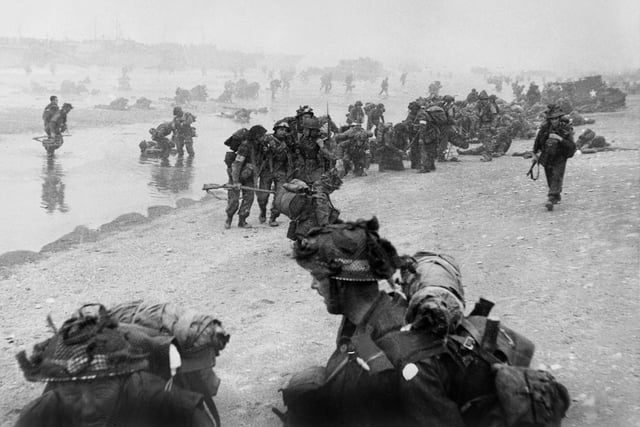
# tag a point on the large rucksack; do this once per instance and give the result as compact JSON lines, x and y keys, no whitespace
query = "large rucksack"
{"x":437,"y":115}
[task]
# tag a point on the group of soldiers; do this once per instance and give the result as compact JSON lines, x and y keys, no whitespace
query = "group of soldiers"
{"x":405,"y":357}
{"x":182,"y":131}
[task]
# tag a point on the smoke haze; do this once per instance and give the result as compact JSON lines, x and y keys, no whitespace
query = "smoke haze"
{"x":568,"y":36}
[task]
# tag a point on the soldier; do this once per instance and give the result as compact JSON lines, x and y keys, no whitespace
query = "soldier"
{"x":448,"y":131}
{"x":48,"y":113}
{"x":486,"y":113}
{"x":159,"y":136}
{"x":274,"y":86}
{"x":353,"y":150}
{"x":276,"y":168}
{"x":356,"y":114}
{"x":533,"y":95}
{"x":96,"y":377}
{"x":348,"y":83}
{"x":314,"y":155}
{"x":430,"y":122}
{"x":375,"y":116}
{"x":183,"y":132}
{"x":384,"y":87}
{"x":392,"y":143}
{"x":553,"y":145}
{"x":412,"y":128}
{"x":473,"y":96}
{"x":58,"y":122}
{"x":244,"y":173}
{"x":383,"y":373}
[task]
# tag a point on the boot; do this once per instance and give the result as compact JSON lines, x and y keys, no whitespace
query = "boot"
{"x":227,"y":223}
{"x":242,"y":223}
{"x":273,"y":222}
{"x":549,"y":204}
{"x":263,"y":215}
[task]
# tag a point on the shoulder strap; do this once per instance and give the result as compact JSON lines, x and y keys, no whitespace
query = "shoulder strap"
{"x":403,"y":347}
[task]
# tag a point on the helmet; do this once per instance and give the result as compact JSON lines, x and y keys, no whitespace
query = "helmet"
{"x":304,"y":110}
{"x":483,"y":95}
{"x":554,"y":111}
{"x":381,"y":106}
{"x":350,"y":251}
{"x":358,"y":103}
{"x":88,"y":345}
{"x":257,"y":131}
{"x":281,"y":124}
{"x":448,"y":98}
{"x":67,"y":106}
{"x":177,"y":111}
{"x":311,"y":123}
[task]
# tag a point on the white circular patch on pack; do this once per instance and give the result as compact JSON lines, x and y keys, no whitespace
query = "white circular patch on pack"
{"x":409,"y":371}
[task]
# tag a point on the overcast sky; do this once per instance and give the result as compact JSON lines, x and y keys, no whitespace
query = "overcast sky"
{"x":510,"y":34}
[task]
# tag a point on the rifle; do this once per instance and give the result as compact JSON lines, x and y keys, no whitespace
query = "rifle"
{"x":530,"y":173}
{"x":207,"y":187}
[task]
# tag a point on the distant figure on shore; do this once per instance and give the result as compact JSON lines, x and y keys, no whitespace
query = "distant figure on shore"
{"x":384,"y":87}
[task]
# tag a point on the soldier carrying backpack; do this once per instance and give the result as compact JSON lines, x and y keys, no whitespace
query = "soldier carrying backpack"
{"x":392,"y":365}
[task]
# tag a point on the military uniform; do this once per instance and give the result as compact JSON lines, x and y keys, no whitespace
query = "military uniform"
{"x":314,"y":156}
{"x":486,"y":111}
{"x":58,"y":123}
{"x":159,"y":136}
{"x":183,"y":132}
{"x":243,"y":171}
{"x":49,"y":111}
{"x":554,"y":144}
{"x":275,"y":170}
{"x":354,"y":151}
{"x":391,"y":145}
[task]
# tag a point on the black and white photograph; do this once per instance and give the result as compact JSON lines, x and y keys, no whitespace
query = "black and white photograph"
{"x":370,"y":213}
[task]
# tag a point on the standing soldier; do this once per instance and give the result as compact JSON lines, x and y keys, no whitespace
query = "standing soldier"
{"x":486,"y":112}
{"x":384,"y":87}
{"x":432,"y":122}
{"x":412,"y":128}
{"x":356,"y":114}
{"x":276,"y":167}
{"x":244,"y":173}
{"x":183,"y":133}
{"x":314,"y":154}
{"x":48,"y":113}
{"x":554,"y":144}
{"x":348,"y":83}
{"x":473,"y":96}
{"x":58,"y":122}
{"x":353,"y":150}
{"x":448,"y":129}
{"x":375,"y":116}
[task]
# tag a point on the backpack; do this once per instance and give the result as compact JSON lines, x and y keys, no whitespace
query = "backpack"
{"x":437,"y":115}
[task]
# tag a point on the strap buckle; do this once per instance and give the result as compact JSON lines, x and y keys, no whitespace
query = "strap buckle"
{"x":468,"y":343}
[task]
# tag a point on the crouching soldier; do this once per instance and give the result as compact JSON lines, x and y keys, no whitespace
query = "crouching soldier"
{"x":384,"y":373}
{"x":96,"y":377}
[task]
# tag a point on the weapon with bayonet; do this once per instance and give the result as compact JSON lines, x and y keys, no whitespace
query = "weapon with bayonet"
{"x":207,"y":187}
